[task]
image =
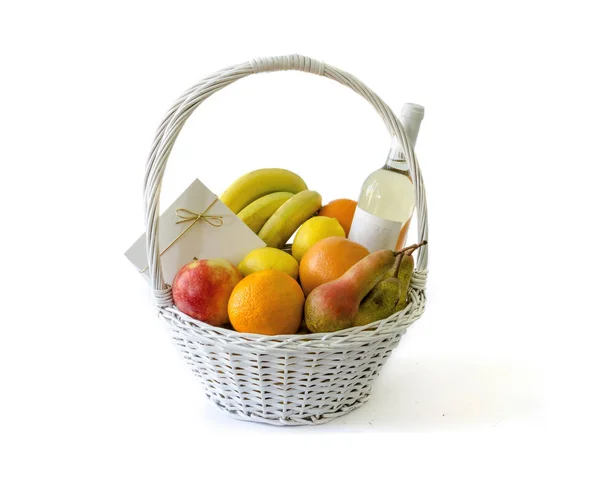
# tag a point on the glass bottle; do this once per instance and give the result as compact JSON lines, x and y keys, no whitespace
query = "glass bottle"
{"x":387,"y":197}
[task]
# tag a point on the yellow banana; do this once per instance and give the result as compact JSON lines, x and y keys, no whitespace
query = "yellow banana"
{"x":288,"y":218}
{"x":259,"y":183}
{"x":256,"y":214}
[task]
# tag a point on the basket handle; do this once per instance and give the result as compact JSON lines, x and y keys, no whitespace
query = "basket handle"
{"x":182,"y":109}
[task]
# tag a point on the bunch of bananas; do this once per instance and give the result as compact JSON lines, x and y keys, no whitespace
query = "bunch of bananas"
{"x":273,"y":202}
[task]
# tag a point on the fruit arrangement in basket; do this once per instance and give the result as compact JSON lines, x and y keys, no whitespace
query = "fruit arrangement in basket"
{"x":276,"y":259}
{"x":324,"y":282}
{"x":346,"y":266}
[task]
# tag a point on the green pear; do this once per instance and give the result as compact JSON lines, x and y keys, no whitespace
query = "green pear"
{"x":404,"y":275}
{"x":334,"y":305}
{"x":380,"y":303}
{"x":389,"y":295}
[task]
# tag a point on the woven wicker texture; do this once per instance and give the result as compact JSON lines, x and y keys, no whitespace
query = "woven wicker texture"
{"x":281,"y":380}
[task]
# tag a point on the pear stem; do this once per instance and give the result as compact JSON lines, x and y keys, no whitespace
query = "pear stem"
{"x":410,"y":249}
{"x":397,"y":264}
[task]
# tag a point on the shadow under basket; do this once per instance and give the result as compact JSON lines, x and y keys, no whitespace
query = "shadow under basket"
{"x":288,"y":379}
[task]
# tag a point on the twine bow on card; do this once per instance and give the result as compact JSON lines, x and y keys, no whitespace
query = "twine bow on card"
{"x":186,"y":216}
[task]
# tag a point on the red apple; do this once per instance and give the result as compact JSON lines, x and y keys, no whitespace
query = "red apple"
{"x":201,"y":289}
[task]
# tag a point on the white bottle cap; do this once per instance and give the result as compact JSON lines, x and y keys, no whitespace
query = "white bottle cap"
{"x":413,"y":111}
{"x":411,"y":116}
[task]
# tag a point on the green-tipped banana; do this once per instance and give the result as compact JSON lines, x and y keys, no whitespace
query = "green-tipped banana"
{"x":256,"y":214}
{"x":259,"y":183}
{"x":288,"y":218}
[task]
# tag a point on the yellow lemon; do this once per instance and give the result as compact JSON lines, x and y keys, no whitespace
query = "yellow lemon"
{"x":269,"y":258}
{"x":313,"y":230}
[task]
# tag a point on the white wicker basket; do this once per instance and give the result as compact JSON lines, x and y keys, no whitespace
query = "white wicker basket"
{"x":280,"y":380}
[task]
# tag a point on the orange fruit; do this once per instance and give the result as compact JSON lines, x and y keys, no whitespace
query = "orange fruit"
{"x":343,"y":210}
{"x":266,"y":302}
{"x":327,"y":260}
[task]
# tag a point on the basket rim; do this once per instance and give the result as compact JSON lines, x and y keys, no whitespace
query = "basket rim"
{"x":397,"y":322}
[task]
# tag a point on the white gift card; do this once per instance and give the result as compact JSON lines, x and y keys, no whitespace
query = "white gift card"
{"x":182,"y":236}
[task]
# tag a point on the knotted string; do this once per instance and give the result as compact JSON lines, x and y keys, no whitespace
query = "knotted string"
{"x":187,"y":216}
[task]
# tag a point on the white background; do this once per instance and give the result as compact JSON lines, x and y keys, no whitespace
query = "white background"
{"x":500,"y":375}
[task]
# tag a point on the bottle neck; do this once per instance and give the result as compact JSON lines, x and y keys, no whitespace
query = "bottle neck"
{"x":411,"y":121}
{"x":396,"y":162}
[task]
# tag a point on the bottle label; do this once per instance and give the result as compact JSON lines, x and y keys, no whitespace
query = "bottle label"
{"x":373,"y":232}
